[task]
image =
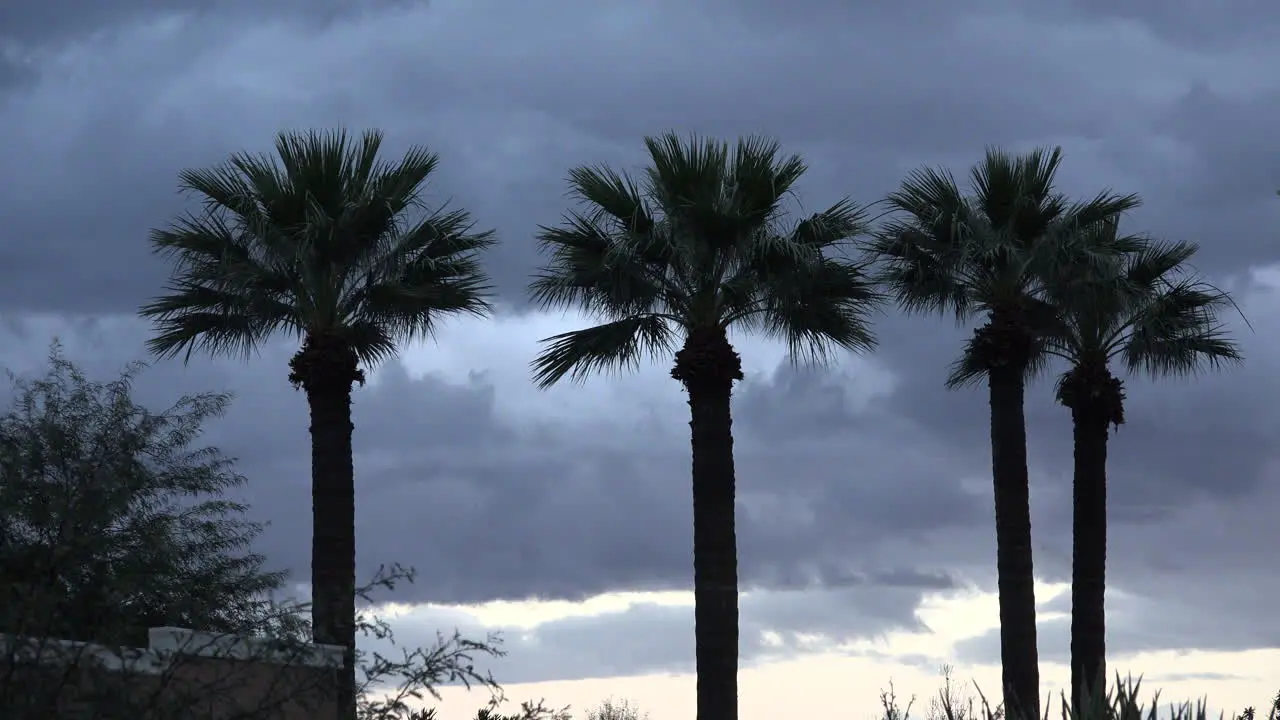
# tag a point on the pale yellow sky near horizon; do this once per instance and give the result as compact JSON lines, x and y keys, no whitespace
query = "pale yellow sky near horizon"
{"x":840,"y":686}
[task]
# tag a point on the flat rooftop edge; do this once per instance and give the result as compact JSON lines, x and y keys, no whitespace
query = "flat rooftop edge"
{"x":166,"y":645}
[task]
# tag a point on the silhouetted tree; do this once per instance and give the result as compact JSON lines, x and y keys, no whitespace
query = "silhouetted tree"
{"x":976,"y":254}
{"x":696,"y":247}
{"x":113,"y":520}
{"x":318,"y":242}
{"x":1147,"y":312}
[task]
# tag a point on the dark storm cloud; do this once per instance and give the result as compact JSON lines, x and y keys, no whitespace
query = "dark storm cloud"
{"x":51,"y":20}
{"x":1230,"y":166}
{"x":511,"y":110}
{"x":552,"y":522}
{"x":1184,"y":22}
{"x":489,"y":511}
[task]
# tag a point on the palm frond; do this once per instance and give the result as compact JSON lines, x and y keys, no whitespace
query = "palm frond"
{"x":316,"y":239}
{"x":924,"y":253}
{"x":759,"y":180}
{"x":433,"y":270}
{"x":700,"y":243}
{"x":1135,"y":300}
{"x":373,"y":340}
{"x":1186,"y":354}
{"x":966,"y":370}
{"x":822,"y":304}
{"x":687,"y":176}
{"x":798,"y":287}
{"x":825,"y":233}
{"x":928,"y":195}
{"x":604,"y":275}
{"x":714,"y":198}
{"x":1177,"y":332}
{"x":924,"y":275}
{"x":1106,"y":206}
{"x":1076,"y":264}
{"x":220,"y":289}
{"x":199,"y":317}
{"x":833,"y":226}
{"x":1156,"y":261}
{"x":611,"y":346}
{"x":1015,"y":193}
{"x":614,"y":194}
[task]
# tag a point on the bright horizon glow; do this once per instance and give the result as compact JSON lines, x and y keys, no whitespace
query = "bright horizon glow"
{"x":848,"y":683}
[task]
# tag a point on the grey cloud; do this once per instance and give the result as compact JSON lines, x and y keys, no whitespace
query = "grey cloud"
{"x":1231,"y":165}
{"x":571,"y":523}
{"x":509,"y":126}
{"x":59,"y":19}
{"x":651,"y":638}
{"x":488,"y":511}
{"x":1225,"y":130}
{"x":1172,"y":631}
{"x":1194,"y":582}
{"x":985,"y":648}
{"x":1185,"y":22}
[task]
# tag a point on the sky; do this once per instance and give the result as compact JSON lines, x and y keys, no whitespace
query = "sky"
{"x":562,"y":517}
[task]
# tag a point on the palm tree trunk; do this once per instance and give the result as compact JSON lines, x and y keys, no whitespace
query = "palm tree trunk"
{"x":1018,"y":653}
{"x":1096,"y":400}
{"x":708,"y":366}
{"x":1089,"y":556}
{"x":326,"y":370}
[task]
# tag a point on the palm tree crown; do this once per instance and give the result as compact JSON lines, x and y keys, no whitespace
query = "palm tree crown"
{"x":1145,"y":310}
{"x":316,"y":244}
{"x":983,"y":252}
{"x":698,"y":245}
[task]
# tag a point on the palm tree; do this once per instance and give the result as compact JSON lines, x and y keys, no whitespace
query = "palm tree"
{"x":697,"y":246}
{"x":1148,"y":313}
{"x":975,"y":254}
{"x":321,"y":245}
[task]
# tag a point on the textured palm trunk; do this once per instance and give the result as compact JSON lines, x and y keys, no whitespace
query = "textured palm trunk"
{"x":1018,"y":652}
{"x":1089,"y":555}
{"x":1096,"y":401}
{"x":326,"y":371}
{"x":708,"y":367}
